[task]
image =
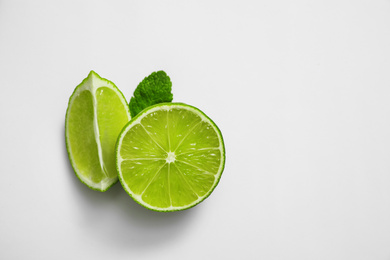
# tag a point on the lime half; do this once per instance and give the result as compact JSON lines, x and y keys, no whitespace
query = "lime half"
{"x":97,"y":112}
{"x":170,"y":157}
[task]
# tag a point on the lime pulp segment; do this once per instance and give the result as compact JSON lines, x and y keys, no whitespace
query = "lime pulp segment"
{"x":170,"y":157}
{"x":97,"y":112}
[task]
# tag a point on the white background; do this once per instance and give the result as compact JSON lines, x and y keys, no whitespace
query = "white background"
{"x":300,"y":90}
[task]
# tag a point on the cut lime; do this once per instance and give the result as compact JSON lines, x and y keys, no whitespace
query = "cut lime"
{"x":170,"y":157}
{"x":97,"y":112}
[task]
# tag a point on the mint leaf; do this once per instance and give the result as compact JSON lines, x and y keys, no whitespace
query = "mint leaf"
{"x":154,"y":89}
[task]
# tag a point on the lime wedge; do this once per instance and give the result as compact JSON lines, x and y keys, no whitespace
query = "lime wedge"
{"x":170,"y":157}
{"x":97,"y":112}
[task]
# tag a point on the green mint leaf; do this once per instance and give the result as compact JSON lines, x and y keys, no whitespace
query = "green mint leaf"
{"x":154,"y":89}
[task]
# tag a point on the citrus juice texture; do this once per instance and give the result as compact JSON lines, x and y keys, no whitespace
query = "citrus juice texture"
{"x":170,"y":157}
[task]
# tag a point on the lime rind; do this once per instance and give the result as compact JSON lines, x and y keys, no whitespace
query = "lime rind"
{"x":92,"y":83}
{"x":136,"y":120}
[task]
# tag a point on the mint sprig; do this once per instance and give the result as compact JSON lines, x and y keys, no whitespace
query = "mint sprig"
{"x":155,"y":88}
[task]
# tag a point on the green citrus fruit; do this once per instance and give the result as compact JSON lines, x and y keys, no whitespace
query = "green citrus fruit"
{"x":170,"y":157}
{"x":97,"y":112}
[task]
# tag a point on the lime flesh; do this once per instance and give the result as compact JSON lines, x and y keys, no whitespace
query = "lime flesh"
{"x":170,"y":157}
{"x":97,"y":112}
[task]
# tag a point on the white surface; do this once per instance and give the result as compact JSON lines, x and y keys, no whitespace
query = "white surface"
{"x":300,"y":90}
